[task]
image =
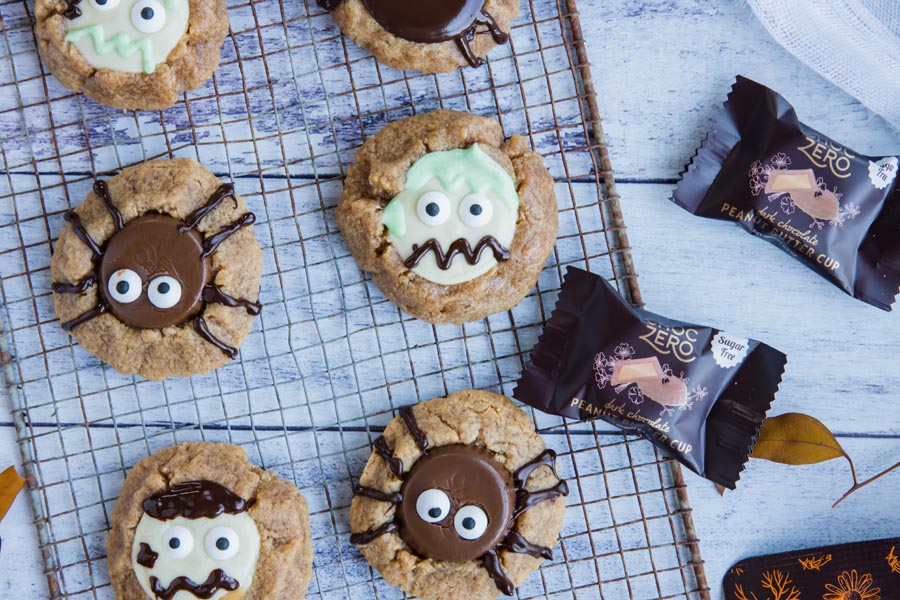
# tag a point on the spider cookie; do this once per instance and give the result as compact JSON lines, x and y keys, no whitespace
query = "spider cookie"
{"x":453,"y":223}
{"x":432,"y":37}
{"x":198,"y":521}
{"x":134,"y":54}
{"x":158,"y":271}
{"x":460,"y":499}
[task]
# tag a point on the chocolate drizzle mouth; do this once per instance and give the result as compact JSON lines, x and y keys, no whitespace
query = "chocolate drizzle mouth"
{"x":216,"y":581}
{"x":460,"y":246}
{"x":433,"y":22}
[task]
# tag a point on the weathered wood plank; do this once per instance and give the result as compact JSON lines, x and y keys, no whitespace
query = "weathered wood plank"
{"x":664,"y":68}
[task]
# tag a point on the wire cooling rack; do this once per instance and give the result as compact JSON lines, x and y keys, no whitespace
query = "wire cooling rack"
{"x":329,"y":359}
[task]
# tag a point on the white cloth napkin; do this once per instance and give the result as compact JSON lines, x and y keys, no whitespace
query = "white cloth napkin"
{"x":853,"y":43}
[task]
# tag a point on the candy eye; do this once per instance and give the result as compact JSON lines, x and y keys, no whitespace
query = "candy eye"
{"x":125,"y":286}
{"x":221,"y":543}
{"x":476,"y":210}
{"x":164,"y":292}
{"x":178,"y":541}
{"x":433,"y":208}
{"x":470,"y":522}
{"x":147,"y":16}
{"x":104,"y":4}
{"x":433,"y":506}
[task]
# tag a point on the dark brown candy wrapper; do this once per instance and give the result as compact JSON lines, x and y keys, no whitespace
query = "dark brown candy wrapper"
{"x":696,"y":392}
{"x":828,"y":206}
{"x":864,"y":571}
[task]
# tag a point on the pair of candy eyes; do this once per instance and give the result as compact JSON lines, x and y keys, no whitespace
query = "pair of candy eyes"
{"x":221,"y":543}
{"x":470,"y":521}
{"x":147,"y":16}
{"x":476,"y":210}
{"x":125,"y":286}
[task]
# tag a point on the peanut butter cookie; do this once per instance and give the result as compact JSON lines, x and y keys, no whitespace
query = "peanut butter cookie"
{"x":453,"y":222}
{"x":134,"y":54}
{"x":200,"y":521}
{"x":460,"y":499}
{"x":158,"y":271}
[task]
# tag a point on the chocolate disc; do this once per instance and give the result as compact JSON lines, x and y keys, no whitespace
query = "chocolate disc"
{"x":151,"y":254}
{"x":458,"y":503}
{"x":426,"y":22}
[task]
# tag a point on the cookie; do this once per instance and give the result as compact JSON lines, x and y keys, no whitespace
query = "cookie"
{"x":453,"y":222}
{"x":199,"y":521}
{"x":134,"y":54}
{"x":432,"y":37}
{"x":158,"y":271}
{"x":460,"y":499}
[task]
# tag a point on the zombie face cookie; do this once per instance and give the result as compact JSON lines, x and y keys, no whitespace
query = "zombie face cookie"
{"x":158,"y":270}
{"x":460,"y":499}
{"x":432,"y":37}
{"x":198,"y":521}
{"x":137,"y":54}
{"x":453,"y":223}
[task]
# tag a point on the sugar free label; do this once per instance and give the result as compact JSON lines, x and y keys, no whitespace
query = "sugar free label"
{"x":728,"y":350}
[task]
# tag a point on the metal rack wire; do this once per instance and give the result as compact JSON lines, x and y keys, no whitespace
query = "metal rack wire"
{"x":330,"y":359}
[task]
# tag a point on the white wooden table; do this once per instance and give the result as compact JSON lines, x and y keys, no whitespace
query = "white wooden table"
{"x":662,"y":69}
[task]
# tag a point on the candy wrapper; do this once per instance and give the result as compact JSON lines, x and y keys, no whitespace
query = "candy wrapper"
{"x":698,"y":393}
{"x":863,"y":571}
{"x":833,"y":209}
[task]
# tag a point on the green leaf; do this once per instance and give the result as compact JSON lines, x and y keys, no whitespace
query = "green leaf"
{"x":798,"y":439}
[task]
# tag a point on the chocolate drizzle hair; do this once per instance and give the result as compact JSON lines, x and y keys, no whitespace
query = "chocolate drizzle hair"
{"x":194,"y":500}
{"x":460,"y":246}
{"x":217,"y":580}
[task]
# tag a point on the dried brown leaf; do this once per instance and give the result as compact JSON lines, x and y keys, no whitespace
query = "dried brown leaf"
{"x":798,"y":439}
{"x":10,"y":486}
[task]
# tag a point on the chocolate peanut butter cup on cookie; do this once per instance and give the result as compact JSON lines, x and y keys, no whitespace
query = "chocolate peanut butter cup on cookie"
{"x":199,"y":521}
{"x":432,"y":37}
{"x":134,"y":54}
{"x":460,"y":499}
{"x":453,"y":222}
{"x":158,"y":271}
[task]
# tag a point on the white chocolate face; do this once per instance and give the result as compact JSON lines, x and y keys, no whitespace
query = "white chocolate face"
{"x":133,"y":36}
{"x":197,"y":549}
{"x":453,"y":199}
